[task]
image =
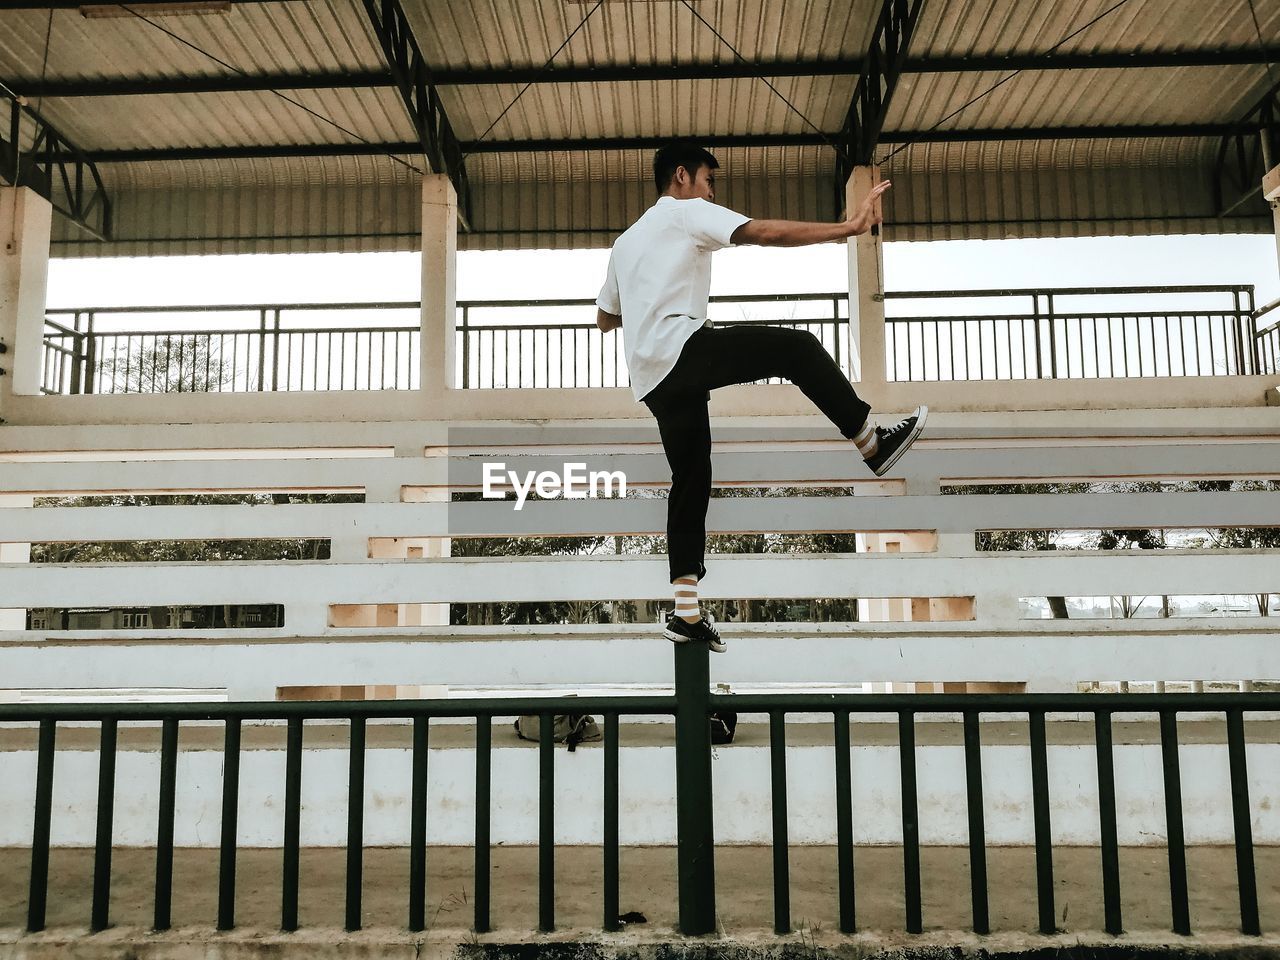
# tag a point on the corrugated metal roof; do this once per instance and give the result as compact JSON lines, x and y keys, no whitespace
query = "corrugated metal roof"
{"x":1067,"y":98}
{"x":457,"y":34}
{"x":238,"y":119}
{"x":310,"y":37}
{"x":1064,"y":189}
{"x":976,"y":27}
{"x":347,"y":204}
{"x":655,"y":108}
{"x":525,"y":199}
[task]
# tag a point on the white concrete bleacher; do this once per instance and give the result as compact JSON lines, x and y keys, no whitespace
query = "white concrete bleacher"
{"x":407,"y":471}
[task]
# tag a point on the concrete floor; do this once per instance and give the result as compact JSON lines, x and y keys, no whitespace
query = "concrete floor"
{"x":744,"y":889}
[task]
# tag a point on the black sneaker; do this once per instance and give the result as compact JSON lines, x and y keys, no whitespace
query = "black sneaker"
{"x":895,"y":440}
{"x":680,"y":630}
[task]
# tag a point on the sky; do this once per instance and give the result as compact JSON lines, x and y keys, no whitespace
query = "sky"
{"x":952,"y":264}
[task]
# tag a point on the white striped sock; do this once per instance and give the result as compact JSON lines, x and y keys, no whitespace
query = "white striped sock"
{"x":687,"y":598}
{"x":867,"y":442}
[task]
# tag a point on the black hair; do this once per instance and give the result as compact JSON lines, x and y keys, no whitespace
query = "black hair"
{"x":679,"y":154}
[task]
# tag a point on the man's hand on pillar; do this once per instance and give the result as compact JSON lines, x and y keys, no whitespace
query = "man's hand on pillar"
{"x":869,"y":213}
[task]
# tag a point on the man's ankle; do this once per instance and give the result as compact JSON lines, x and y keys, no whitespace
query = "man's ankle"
{"x":691,"y":619}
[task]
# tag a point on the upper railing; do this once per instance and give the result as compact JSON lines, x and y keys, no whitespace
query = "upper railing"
{"x":253,"y":347}
{"x":1267,"y":337}
{"x":966,"y":335}
{"x":1075,"y":333}
{"x":528,"y":343}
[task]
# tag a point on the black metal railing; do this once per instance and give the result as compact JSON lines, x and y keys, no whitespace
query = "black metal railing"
{"x":1036,"y":706}
{"x":691,"y":705}
{"x":550,"y":352}
{"x":1043,"y":339}
{"x":1044,"y":334}
{"x":271,"y":355}
{"x":232,"y":715}
{"x":1267,"y":337}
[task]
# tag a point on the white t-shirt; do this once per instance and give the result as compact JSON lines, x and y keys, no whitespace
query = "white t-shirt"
{"x":659,"y":279}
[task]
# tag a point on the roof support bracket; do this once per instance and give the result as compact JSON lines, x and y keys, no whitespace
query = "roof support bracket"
{"x":1242,"y":155}
{"x":876,"y":83}
{"x":421,"y":97}
{"x":56,"y":169}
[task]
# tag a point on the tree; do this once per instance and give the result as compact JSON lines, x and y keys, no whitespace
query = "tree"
{"x":1023,"y":540}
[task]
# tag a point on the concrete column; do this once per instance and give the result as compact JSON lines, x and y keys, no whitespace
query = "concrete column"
{"x":1270,"y":181}
{"x":866,"y":288}
{"x":426,"y":614}
{"x":439,"y":276}
{"x":25,"y":222}
{"x":1275,"y":218}
{"x":14,"y":618}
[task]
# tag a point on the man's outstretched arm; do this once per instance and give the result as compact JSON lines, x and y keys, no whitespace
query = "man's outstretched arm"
{"x":799,"y":233}
{"x":607,"y":321}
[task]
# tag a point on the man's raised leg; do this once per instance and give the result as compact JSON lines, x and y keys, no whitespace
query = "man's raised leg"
{"x":744,"y":354}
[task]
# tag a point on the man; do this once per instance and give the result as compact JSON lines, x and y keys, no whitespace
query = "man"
{"x":656,"y":289}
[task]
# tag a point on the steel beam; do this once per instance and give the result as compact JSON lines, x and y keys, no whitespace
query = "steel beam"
{"x":853,"y":67}
{"x":649,"y":143}
{"x":876,"y":83}
{"x":1242,"y":155}
{"x":436,"y":138}
{"x":54,"y":168}
{"x":235,"y":83}
{"x":33,"y":87}
{"x":6,"y":5}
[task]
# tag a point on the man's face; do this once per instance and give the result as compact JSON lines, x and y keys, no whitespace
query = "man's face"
{"x":702,"y":184}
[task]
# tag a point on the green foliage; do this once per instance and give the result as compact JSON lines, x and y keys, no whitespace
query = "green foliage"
{"x":180,"y":551}
{"x":646,"y":611}
{"x":1128,"y":539}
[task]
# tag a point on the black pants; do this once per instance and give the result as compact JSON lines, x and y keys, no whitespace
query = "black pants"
{"x":716,"y":357}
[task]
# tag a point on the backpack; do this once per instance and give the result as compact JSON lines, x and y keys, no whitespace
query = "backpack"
{"x":723,"y":726}
{"x":570,"y":729}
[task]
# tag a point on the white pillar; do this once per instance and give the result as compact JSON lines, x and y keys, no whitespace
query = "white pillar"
{"x":426,"y":614}
{"x":866,"y":288}
{"x":25,"y":222}
{"x":1275,"y":217}
{"x":439,"y":275}
{"x":15,"y":618}
{"x":1271,"y":182}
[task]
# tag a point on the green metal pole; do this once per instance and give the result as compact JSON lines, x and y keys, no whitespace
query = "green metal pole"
{"x":694,"y":821}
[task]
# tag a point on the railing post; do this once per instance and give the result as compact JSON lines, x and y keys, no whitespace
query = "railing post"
{"x":77,"y":356}
{"x":262,"y":349}
{"x":275,"y":352}
{"x":466,"y":348}
{"x":90,"y":355}
{"x":1251,"y":331}
{"x":1237,"y":334}
{"x":694,"y":822}
{"x":835,"y":327}
{"x":1035,"y":320}
{"x":1053,"y":339}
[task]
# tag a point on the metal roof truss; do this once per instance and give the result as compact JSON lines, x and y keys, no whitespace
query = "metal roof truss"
{"x":421,"y":98}
{"x":57,"y":170}
{"x":876,"y":82}
{"x":1246,"y":154}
